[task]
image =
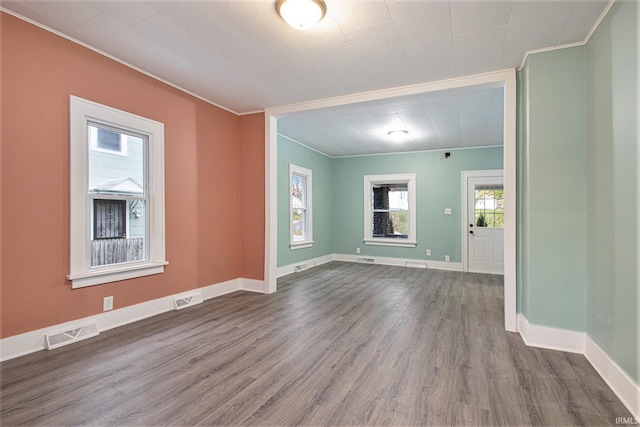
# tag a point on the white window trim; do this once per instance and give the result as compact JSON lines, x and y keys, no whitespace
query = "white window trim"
{"x":298,"y":170}
{"x":369,"y":181}
{"x":81,"y":273}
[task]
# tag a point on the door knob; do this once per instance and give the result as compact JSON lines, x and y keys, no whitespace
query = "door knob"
{"x":470,"y":231}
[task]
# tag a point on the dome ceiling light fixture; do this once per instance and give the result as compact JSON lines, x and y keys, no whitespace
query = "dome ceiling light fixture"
{"x":398,"y":135}
{"x":301,"y":14}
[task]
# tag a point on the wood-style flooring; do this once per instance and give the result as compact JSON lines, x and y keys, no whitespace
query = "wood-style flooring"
{"x":340,"y":344}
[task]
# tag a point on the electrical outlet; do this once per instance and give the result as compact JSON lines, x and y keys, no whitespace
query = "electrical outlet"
{"x":447,"y":258}
{"x":428,"y":252}
{"x":357,"y":250}
{"x":447,"y":211}
{"x":107,"y":304}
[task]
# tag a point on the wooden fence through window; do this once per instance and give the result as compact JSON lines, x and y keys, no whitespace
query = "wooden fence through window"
{"x":114,"y":251}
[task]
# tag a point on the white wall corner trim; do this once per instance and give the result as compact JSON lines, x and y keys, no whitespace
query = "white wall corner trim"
{"x":252,"y":285}
{"x":622,"y":385}
{"x":33,"y":341}
{"x":550,"y":338}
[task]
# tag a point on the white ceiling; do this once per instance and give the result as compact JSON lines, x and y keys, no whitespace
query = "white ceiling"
{"x":240,"y":55}
{"x":457,"y":118}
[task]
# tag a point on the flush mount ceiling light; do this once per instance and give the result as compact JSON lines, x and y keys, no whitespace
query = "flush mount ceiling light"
{"x":301,"y":14}
{"x":398,"y":135}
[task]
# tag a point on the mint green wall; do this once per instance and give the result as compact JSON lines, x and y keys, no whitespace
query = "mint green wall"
{"x":553,"y":174}
{"x":338,"y":200}
{"x":579,"y":183}
{"x":613,"y":188}
{"x":438,"y":186}
{"x":322,"y":180}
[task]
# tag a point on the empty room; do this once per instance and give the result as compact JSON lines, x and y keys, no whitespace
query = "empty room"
{"x":308,"y":212}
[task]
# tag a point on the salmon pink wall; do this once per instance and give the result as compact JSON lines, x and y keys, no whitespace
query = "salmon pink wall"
{"x":204,"y":150}
{"x":252,"y":192}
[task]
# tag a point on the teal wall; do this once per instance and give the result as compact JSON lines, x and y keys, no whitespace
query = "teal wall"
{"x":338,"y":200}
{"x":553,"y":190}
{"x":322,"y":180}
{"x":579,"y":183}
{"x":438,"y":186}
{"x":613,"y":239}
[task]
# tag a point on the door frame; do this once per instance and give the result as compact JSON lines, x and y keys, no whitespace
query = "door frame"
{"x":488,"y":173}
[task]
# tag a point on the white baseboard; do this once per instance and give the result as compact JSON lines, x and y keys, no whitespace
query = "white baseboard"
{"x":252,"y":285}
{"x":579,"y":342}
{"x":400,"y":262}
{"x":313,"y":262}
{"x":622,"y":385}
{"x":32,"y":341}
{"x":551,"y":338}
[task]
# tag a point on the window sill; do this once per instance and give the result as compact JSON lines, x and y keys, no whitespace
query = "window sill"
{"x":403,"y":243}
{"x":300,"y":245}
{"x":114,"y":274}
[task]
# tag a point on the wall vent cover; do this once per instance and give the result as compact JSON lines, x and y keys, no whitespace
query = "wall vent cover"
{"x":187,"y":301}
{"x":367,"y":260}
{"x":68,"y":336}
{"x":301,"y":267}
{"x":414,"y":264}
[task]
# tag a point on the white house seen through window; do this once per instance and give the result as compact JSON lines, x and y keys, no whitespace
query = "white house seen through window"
{"x":118,"y":190}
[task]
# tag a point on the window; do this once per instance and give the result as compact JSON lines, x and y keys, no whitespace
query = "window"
{"x":489,"y":206}
{"x":300,"y":209}
{"x":389,"y":208}
{"x":117,"y":195}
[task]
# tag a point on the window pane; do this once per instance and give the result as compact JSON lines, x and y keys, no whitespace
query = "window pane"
{"x":399,"y":199}
{"x":489,"y":206}
{"x":137,"y":210}
{"x":299,"y":208}
{"x":298,"y":191}
{"x":391,"y":205}
{"x":119,"y":231}
{"x":390,"y":197}
{"x":400,"y":223}
{"x":299,"y":226}
{"x":112,"y":172}
{"x":117,"y":172}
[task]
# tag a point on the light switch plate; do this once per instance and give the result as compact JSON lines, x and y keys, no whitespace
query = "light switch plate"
{"x":447,"y":211}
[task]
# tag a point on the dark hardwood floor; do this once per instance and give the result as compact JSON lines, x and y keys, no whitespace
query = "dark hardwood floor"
{"x":340,"y":344}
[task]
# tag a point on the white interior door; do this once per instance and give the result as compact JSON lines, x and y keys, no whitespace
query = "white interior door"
{"x":485,"y":224}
